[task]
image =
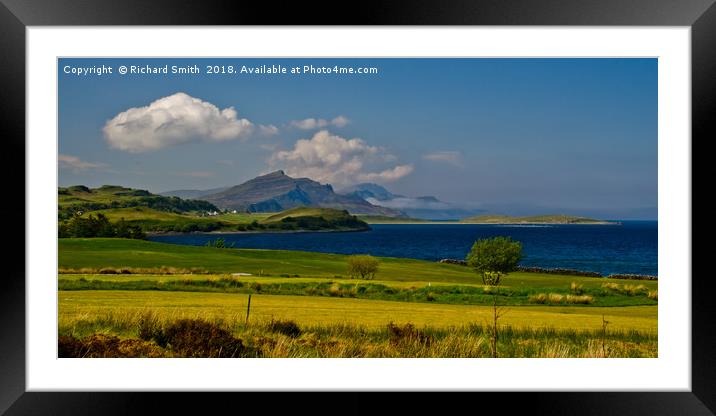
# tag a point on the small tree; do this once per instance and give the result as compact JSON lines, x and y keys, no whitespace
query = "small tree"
{"x":492,"y":258}
{"x":362,"y":266}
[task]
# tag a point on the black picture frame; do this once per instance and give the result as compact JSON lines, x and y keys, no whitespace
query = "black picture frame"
{"x":16,"y":15}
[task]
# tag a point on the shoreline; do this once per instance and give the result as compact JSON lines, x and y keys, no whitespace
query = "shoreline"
{"x":176,"y":233}
{"x":456,"y":222}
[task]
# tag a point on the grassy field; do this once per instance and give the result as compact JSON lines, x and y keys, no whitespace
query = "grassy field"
{"x":308,"y":310}
{"x":324,"y":327}
{"x":108,"y":286}
{"x":98,"y":253}
{"x":417,"y":291}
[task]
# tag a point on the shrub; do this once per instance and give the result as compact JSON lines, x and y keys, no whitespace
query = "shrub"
{"x":69,"y":347}
{"x":611,"y":286}
{"x":335,"y":290}
{"x":362,"y":266}
{"x":150,"y":329}
{"x":556,"y":298}
{"x":633,"y":290}
{"x":400,"y":335}
{"x":538,"y":298}
{"x":198,"y":338}
{"x":106,"y":346}
{"x":653,"y":294}
{"x":576,"y":288}
{"x":494,"y":257}
{"x":98,"y":226}
{"x":579,"y":299}
{"x":288,"y":328}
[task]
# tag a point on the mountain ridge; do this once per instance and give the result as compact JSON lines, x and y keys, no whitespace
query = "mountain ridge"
{"x":277,"y":191}
{"x":425,"y":207}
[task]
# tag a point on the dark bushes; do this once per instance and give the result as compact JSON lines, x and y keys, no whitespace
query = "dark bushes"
{"x":106,"y":346}
{"x":288,"y":328}
{"x":182,"y":338}
{"x":98,"y":226}
{"x":193,"y":338}
{"x":401,"y":335}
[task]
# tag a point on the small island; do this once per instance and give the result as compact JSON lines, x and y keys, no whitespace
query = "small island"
{"x":535,"y":220}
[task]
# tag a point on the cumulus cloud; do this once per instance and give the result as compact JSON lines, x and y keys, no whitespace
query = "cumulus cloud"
{"x":387,"y":175}
{"x":268,"y":130}
{"x":333,"y":159}
{"x":76,"y":164}
{"x":319,"y":123}
{"x":450,"y":157}
{"x":172,"y":120}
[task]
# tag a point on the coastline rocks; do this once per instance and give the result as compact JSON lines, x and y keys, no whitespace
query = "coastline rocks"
{"x":571,"y":272}
{"x":633,"y":277}
{"x":453,"y":261}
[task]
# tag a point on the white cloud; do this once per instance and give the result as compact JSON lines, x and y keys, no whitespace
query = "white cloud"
{"x":387,"y":175}
{"x":340,"y":121}
{"x":268,"y":130}
{"x":76,"y":164}
{"x":319,"y":123}
{"x":333,"y":159}
{"x":172,"y":120}
{"x":451,"y":157}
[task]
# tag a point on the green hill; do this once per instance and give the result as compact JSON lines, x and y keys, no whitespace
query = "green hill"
{"x":296,"y":219}
{"x":315,"y":219}
{"x":81,"y":199}
{"x":535,"y":219}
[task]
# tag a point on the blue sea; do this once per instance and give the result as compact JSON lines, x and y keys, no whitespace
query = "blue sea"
{"x":607,"y":249}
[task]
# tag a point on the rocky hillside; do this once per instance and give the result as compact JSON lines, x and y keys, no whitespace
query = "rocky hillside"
{"x":277,"y":191}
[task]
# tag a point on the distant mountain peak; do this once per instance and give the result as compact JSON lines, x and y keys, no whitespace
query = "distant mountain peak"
{"x":276,"y":191}
{"x":275,"y":173}
{"x":369,"y":190}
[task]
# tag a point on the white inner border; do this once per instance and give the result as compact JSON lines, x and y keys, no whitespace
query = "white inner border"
{"x":670,"y":372}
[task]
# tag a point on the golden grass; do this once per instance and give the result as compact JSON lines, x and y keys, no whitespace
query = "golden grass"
{"x":627,"y":289}
{"x":556,"y":299}
{"x":610,"y":286}
{"x":75,"y":306}
{"x":633,"y":290}
{"x":353,"y":341}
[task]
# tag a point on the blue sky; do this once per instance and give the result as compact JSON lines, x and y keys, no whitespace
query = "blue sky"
{"x":516,"y":136}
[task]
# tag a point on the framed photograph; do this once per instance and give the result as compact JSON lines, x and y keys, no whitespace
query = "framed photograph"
{"x":486,"y":199}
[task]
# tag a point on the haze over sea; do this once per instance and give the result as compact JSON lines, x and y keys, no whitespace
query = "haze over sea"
{"x":631,"y":247}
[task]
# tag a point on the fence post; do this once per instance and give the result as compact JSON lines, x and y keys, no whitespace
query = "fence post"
{"x":248,"y":309}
